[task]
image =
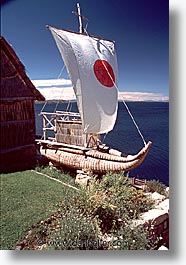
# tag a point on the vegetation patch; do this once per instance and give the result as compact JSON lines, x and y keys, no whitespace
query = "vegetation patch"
{"x":48,"y":215}
{"x":156,"y":186}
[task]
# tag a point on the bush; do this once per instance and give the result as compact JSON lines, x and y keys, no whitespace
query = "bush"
{"x":138,"y":238}
{"x":156,"y":186}
{"x":76,"y":232}
{"x":113,"y":200}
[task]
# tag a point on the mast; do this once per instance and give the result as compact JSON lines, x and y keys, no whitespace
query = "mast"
{"x":81,"y":31}
{"x":80,"y":18}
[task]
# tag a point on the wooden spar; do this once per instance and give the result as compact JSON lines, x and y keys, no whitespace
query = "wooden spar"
{"x":56,"y":144}
{"x":80,"y":19}
{"x":78,"y":33}
{"x":49,"y":122}
{"x":61,"y":113}
{"x":44,"y":128}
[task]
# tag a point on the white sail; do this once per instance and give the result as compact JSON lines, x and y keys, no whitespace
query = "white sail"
{"x":92,"y":66}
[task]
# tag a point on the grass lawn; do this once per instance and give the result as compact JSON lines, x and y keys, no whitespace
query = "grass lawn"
{"x":26,"y":199}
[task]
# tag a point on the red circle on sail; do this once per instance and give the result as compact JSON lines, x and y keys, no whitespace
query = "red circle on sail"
{"x":104,"y":73}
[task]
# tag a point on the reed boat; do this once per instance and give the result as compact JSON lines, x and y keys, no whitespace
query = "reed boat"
{"x":76,"y":142}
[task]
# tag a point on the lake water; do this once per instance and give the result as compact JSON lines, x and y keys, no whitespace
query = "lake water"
{"x":153,"y":121}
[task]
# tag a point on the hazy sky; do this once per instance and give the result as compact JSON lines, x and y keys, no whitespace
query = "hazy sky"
{"x":140,"y":29}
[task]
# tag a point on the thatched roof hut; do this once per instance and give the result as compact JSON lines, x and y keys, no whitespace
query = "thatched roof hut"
{"x":17,"y":112}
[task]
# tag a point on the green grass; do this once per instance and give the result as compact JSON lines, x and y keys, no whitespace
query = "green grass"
{"x":26,"y":199}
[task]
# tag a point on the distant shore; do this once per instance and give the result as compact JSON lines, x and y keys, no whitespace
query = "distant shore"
{"x":74,"y":100}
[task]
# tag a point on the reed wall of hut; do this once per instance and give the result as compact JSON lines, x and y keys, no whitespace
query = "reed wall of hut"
{"x":17,"y":113}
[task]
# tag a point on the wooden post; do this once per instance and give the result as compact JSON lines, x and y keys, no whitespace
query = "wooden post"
{"x":44,"y":127}
{"x":80,"y":19}
{"x":85,"y":139}
{"x":55,"y":132}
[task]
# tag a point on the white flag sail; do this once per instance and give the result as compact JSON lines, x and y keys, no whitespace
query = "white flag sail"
{"x":92,"y":66}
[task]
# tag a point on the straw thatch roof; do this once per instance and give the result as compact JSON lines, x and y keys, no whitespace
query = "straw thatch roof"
{"x":14,"y":81}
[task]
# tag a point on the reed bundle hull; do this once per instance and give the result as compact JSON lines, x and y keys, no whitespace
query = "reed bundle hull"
{"x":94,"y":160}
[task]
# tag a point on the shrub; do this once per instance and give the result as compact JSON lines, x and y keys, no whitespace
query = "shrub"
{"x":76,"y":231}
{"x":128,"y":238}
{"x":156,"y":186}
{"x":113,"y":200}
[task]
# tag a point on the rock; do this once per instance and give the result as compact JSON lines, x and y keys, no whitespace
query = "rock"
{"x":82,"y":179}
{"x":163,"y":248}
{"x":157,"y":197}
{"x":18,"y":247}
{"x":164,"y":205}
{"x":51,"y":165}
{"x":155,"y":216}
{"x":167,"y":191}
{"x":80,"y":171}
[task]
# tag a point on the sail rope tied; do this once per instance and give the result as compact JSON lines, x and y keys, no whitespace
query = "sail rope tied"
{"x":125,"y":104}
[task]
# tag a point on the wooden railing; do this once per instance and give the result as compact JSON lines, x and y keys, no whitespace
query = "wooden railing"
{"x":138,"y":183}
{"x":50,"y":119}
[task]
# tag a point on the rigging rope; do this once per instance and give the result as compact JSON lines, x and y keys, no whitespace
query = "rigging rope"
{"x":103,"y":140}
{"x":62,"y":69}
{"x":60,"y":73}
{"x":134,"y":121}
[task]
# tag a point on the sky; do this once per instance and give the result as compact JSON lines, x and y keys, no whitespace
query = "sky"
{"x":140,"y":29}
